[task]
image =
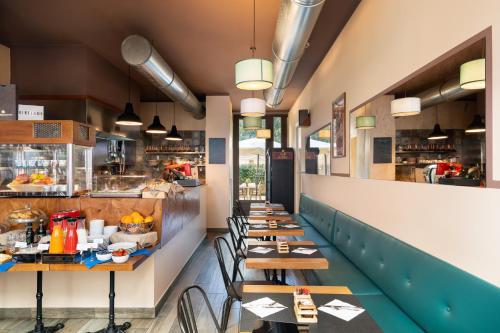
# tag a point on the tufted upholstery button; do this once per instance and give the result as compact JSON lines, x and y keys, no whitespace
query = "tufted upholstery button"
{"x":408,"y":282}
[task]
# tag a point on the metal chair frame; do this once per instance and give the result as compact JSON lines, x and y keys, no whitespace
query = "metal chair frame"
{"x":185,"y":313}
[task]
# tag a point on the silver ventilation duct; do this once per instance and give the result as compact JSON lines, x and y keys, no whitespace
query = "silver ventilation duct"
{"x":448,"y":91}
{"x":138,"y":52}
{"x":296,"y":20}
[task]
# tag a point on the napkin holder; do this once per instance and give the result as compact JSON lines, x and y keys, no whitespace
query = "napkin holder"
{"x":269,"y":212}
{"x":305,"y":310}
{"x":283,"y":247}
{"x":273,"y":224}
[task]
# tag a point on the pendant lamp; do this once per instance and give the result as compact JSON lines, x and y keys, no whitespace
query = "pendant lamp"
{"x":365,"y":122}
{"x":473,"y":74}
{"x":156,"y":127}
{"x":173,"y":135}
{"x":128,"y":117}
{"x":253,"y":73}
{"x":406,"y":106}
{"x":252,"y":123}
{"x":253,"y":107}
{"x":264,"y":133}
{"x":477,"y":125}
{"x":437,"y":133}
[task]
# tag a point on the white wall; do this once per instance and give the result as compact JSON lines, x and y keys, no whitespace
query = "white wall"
{"x":219,"y":176}
{"x":383,"y":42}
{"x":4,"y":64}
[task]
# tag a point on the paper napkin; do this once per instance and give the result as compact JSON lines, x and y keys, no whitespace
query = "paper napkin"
{"x":259,"y":226}
{"x":264,"y":307}
{"x":291,"y":226}
{"x":261,"y":250}
{"x":303,"y":250}
{"x":341,"y":309}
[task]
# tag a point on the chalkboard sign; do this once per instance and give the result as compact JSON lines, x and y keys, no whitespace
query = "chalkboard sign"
{"x":382,"y":150}
{"x":217,"y":151}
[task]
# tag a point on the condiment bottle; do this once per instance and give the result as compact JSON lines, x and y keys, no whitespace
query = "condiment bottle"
{"x":57,"y":238}
{"x":71,"y":236}
{"x":30,"y":235}
{"x":81,"y":231}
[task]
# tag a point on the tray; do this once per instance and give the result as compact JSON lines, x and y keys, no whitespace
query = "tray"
{"x":63,"y":258}
{"x":37,"y":188}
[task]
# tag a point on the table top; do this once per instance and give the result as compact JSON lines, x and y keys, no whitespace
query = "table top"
{"x":132,"y":264}
{"x":291,"y":260}
{"x":276,"y":215}
{"x":253,"y":221}
{"x":280,"y":230}
{"x":320,"y":295}
{"x":261,"y":206}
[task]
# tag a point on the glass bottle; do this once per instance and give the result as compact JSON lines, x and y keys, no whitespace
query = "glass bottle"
{"x":71,"y":236}
{"x":57,"y":238}
{"x":81,"y":231}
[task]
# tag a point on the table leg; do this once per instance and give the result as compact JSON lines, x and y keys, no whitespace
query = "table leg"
{"x":112,"y":327}
{"x":39,"y":327}
{"x":283,"y":276}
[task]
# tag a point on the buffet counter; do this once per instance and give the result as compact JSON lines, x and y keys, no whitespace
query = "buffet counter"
{"x":180,"y":222}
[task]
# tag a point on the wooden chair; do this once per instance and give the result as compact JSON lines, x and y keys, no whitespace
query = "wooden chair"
{"x":185,"y":313}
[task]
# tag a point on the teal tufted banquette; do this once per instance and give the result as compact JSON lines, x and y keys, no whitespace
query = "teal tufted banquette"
{"x":403,"y":288}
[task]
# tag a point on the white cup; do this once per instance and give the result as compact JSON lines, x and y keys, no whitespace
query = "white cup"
{"x":96,"y":227}
{"x":110,"y":229}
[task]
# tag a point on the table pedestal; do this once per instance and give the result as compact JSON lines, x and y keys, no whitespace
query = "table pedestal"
{"x":112,"y":327}
{"x":39,"y":327}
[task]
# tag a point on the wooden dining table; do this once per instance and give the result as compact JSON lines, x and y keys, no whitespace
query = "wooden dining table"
{"x":275,"y":216}
{"x":262,"y":206}
{"x":132,"y":264}
{"x":282,"y":261}
{"x":263,"y":230}
{"x":321,"y":295}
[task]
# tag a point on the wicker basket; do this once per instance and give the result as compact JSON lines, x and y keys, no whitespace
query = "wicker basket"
{"x":136,"y":228}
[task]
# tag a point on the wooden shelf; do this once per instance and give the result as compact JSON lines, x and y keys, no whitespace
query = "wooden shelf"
{"x":175,"y":152}
{"x":425,"y":151}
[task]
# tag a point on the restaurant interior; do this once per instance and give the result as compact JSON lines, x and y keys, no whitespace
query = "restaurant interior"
{"x":249,"y":166}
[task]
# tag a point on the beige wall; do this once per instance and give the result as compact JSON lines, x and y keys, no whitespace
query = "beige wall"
{"x":4,"y":64}
{"x":385,"y":41}
{"x":219,"y":176}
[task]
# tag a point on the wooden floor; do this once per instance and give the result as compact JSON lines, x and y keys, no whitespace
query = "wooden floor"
{"x":202,"y":270}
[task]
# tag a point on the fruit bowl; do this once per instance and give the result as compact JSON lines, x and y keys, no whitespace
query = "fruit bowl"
{"x":136,"y":228}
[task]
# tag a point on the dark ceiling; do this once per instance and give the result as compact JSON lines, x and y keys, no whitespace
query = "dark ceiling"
{"x":200,"y":39}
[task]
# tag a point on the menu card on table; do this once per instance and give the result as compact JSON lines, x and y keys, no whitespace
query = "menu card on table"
{"x":264,"y":307}
{"x":342,"y":310}
{"x":304,"y":250}
{"x":261,"y":250}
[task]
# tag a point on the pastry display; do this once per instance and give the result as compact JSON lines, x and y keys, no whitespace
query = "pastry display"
{"x":27,"y":215}
{"x":36,"y":179}
{"x":135,"y":223}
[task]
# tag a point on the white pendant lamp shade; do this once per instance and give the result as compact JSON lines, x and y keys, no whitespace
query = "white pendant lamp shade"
{"x":253,"y":107}
{"x":365,"y":122}
{"x":473,"y":74}
{"x":407,"y":106}
{"x":252,"y":123}
{"x":264,"y":133}
{"x":254,"y":74}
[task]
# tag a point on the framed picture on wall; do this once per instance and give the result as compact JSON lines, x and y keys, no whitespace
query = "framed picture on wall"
{"x":338,"y":127}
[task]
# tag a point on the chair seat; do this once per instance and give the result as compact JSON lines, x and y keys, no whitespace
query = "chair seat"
{"x":388,"y":316}
{"x":342,"y":272}
{"x":238,"y":287}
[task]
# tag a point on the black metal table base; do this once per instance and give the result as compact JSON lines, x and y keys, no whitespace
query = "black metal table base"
{"x":112,"y":327}
{"x":39,"y":326}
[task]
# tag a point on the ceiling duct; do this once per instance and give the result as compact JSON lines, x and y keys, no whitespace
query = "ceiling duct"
{"x":138,"y":52}
{"x":448,"y":91}
{"x":296,"y":20}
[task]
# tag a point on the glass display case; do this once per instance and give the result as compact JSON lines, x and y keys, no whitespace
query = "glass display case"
{"x":57,"y":169}
{"x":119,"y":186}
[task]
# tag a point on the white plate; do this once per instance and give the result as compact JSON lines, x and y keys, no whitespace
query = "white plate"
{"x":129,"y":246}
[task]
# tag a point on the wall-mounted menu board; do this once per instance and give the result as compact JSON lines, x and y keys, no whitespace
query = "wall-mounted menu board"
{"x":382,"y":150}
{"x":217,"y":151}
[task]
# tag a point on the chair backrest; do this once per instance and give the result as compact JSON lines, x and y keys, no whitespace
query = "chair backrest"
{"x":237,"y":235}
{"x":186,"y":315}
{"x":221,"y":244}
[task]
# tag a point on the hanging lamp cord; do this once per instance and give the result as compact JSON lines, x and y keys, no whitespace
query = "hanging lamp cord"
{"x":129,"y":83}
{"x":253,"y":47}
{"x":174,"y":113}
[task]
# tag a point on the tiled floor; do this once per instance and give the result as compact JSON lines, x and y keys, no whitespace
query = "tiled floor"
{"x":202,"y":270}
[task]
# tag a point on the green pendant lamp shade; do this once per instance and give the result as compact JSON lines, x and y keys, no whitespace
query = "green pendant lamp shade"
{"x":156,"y":127}
{"x":477,"y":125}
{"x":252,"y":123}
{"x":128,"y":117}
{"x":473,"y":74}
{"x":365,"y":122}
{"x":437,"y":134}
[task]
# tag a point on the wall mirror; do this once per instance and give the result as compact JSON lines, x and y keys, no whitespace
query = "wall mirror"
{"x":317,"y":152}
{"x":429,"y":129}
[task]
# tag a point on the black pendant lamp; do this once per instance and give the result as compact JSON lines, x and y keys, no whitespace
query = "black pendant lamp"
{"x":156,"y":127}
{"x":437,"y":132}
{"x":477,"y":125}
{"x":128,"y":117}
{"x":174,"y":135}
